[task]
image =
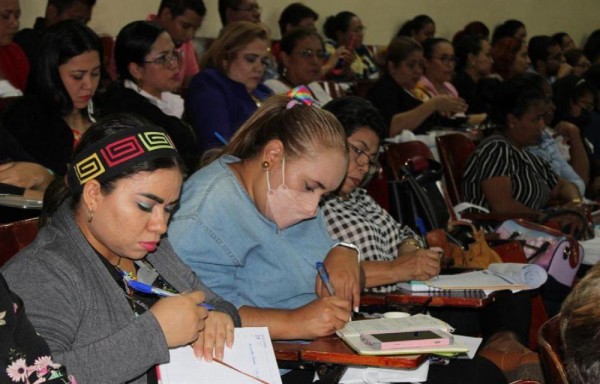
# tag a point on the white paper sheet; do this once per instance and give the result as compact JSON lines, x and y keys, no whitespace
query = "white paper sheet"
{"x":252,"y":353}
{"x":370,"y":375}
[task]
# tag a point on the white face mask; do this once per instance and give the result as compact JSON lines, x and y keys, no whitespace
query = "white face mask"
{"x":286,"y":206}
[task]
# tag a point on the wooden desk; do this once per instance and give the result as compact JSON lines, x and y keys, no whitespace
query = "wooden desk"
{"x":469,"y":299}
{"x":465,"y":299}
{"x":333,"y":350}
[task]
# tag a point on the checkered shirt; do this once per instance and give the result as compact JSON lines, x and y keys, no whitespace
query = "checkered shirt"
{"x":359,"y":220}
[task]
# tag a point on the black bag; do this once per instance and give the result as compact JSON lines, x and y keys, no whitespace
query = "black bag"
{"x":416,"y":195}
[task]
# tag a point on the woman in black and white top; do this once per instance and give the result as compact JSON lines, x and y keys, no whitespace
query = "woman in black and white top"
{"x":390,"y":252}
{"x":500,"y":174}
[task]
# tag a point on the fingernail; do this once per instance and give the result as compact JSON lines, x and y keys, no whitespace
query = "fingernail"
{"x":356,"y":309}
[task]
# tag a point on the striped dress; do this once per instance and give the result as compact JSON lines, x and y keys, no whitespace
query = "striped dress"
{"x":531,"y":177}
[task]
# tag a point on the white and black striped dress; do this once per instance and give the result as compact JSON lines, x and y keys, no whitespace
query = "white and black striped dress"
{"x":531,"y":177}
{"x":359,"y":220}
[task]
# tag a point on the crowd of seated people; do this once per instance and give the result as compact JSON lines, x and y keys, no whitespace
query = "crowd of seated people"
{"x":248,"y":164}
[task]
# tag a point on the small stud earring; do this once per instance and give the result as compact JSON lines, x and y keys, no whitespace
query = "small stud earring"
{"x":265,"y":165}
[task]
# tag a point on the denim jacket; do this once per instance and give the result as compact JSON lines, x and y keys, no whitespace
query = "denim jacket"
{"x":239,"y":253}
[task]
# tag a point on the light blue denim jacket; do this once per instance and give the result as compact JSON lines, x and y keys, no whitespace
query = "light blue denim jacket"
{"x":548,"y":151}
{"x":236,"y":251}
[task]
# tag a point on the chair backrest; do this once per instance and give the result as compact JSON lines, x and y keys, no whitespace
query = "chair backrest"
{"x":397,"y":154}
{"x":551,"y":352}
{"x":454,"y":151}
{"x":15,"y":236}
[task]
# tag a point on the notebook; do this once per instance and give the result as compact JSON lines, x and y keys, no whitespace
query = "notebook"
{"x":351,"y":335}
{"x":252,"y":353}
{"x":498,"y":276}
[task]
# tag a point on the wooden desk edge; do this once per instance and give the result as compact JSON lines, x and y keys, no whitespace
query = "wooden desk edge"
{"x":333,"y":350}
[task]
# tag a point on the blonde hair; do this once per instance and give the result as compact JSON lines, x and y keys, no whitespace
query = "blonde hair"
{"x":302,"y":129}
{"x":233,"y":39}
{"x":580,"y":329}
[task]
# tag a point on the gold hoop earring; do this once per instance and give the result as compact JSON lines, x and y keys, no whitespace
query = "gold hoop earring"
{"x":265,"y":165}
{"x":90,"y":216}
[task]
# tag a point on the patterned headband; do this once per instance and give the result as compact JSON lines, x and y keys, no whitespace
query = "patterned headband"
{"x":112,"y":155}
{"x":300,"y":95}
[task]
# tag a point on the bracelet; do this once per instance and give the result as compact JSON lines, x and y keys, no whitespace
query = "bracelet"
{"x":411,"y":241}
{"x":347,"y":245}
{"x":577,"y":200}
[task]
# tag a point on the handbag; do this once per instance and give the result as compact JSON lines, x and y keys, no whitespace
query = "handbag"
{"x":478,"y":254}
{"x":559,"y":254}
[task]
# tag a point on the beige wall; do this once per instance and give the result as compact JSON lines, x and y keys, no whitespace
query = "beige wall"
{"x":382,"y":17}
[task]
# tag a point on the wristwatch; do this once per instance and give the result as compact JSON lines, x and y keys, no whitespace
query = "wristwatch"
{"x":348,"y":245}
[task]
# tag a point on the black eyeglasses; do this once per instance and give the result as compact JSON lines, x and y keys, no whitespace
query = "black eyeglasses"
{"x":167,"y":59}
{"x":362,"y":159}
{"x":251,"y":9}
{"x":309,"y":54}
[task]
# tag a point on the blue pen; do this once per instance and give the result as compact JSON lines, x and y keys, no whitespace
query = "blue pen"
{"x":325,"y":277}
{"x":422,"y":231}
{"x":145,"y":288}
{"x":220,"y":137}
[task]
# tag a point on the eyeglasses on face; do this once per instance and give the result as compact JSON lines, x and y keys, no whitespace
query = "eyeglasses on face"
{"x":585,"y":104}
{"x":252,"y":58}
{"x":362,"y":158}
{"x":167,"y":59}
{"x":309,"y":54}
{"x":252,"y":9}
{"x":446,"y":59}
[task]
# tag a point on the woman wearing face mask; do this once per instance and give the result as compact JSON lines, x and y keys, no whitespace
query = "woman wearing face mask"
{"x":148,"y":67}
{"x":57,"y":106}
{"x":250,"y":226}
{"x":228,"y":89}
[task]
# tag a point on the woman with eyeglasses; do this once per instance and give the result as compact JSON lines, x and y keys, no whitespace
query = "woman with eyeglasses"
{"x":148,"y":74}
{"x":396,"y":97}
{"x":229,"y":87}
{"x":57,"y":107}
{"x":390,"y":252}
{"x":300,"y":63}
{"x":347,"y":57}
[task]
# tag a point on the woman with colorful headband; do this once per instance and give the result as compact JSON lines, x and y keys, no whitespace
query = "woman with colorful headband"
{"x":250,"y":227}
{"x":123,"y":184}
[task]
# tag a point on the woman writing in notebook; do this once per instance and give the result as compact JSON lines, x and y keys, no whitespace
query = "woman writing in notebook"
{"x":75,"y":278}
{"x":390,"y":252}
{"x":250,"y":226}
{"x":56,"y":109}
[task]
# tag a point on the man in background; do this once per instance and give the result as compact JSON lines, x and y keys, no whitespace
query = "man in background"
{"x":56,"y":11}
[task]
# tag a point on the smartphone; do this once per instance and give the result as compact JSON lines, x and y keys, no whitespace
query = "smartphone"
{"x":399,"y":340}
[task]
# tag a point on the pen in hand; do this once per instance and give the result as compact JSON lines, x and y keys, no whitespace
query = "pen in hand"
{"x":145,"y":288}
{"x":325,"y":278}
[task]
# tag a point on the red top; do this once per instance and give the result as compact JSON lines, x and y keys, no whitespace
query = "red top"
{"x":14,"y":65}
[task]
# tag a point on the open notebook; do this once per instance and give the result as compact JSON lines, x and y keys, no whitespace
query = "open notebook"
{"x":252,"y":353}
{"x":351,"y":335}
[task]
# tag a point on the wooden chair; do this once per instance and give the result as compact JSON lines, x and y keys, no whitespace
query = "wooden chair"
{"x":15,"y":236}
{"x":397,"y":154}
{"x":551,"y":352}
{"x":454,"y":151}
